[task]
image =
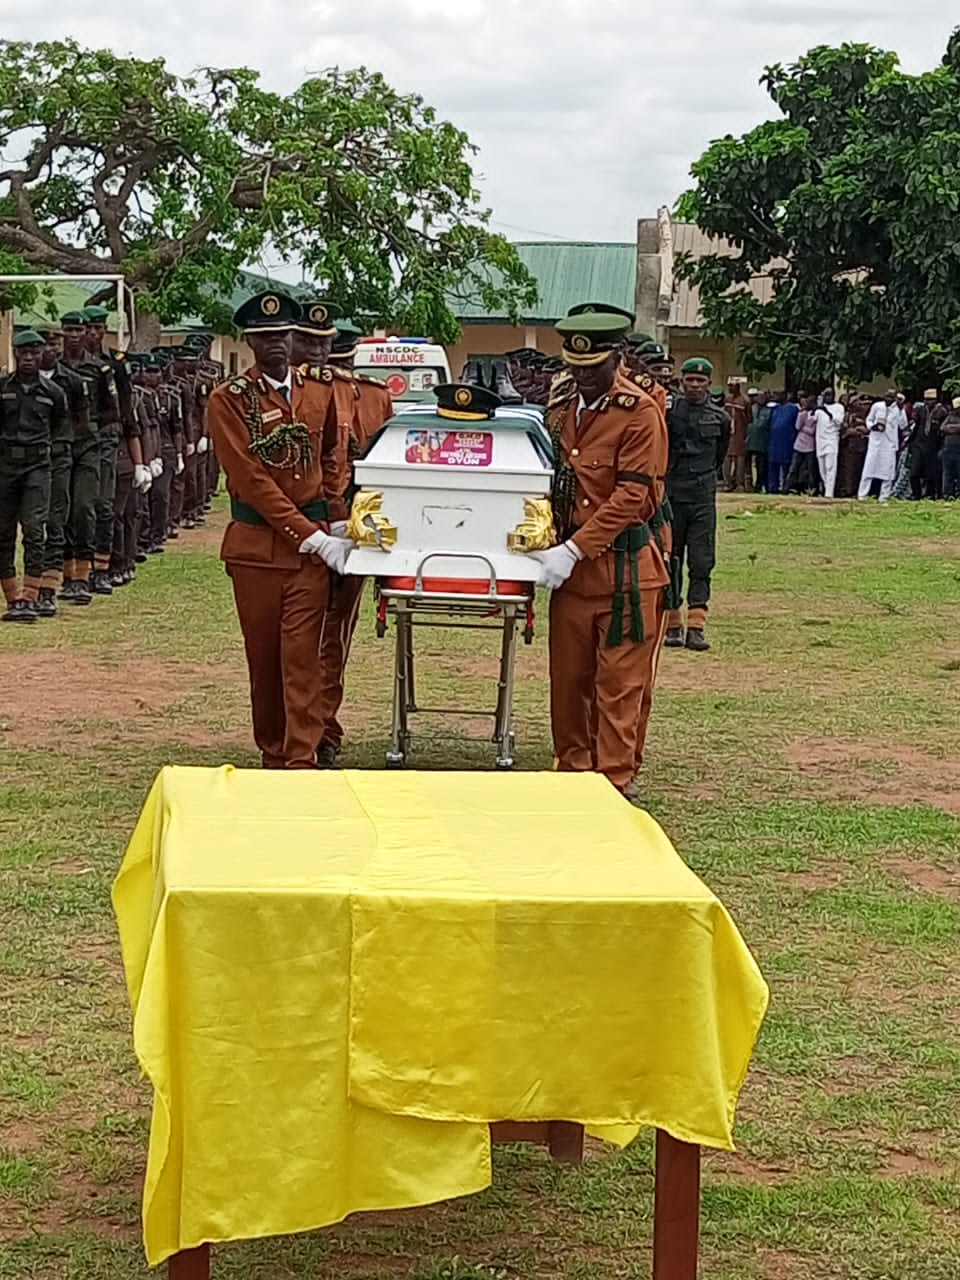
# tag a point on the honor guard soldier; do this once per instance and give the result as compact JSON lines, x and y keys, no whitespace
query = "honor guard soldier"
{"x":109,"y":435}
{"x":103,"y":412}
{"x":75,"y":426}
{"x":275,"y":433}
{"x":610,"y":570}
{"x":372,"y":407}
{"x":699,"y":437}
{"x":32,"y":413}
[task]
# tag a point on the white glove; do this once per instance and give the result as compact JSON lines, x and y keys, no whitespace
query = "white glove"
{"x":203,"y":444}
{"x":142,"y":479}
{"x":339,"y":528}
{"x":191,"y":450}
{"x":156,"y":468}
{"x":180,"y":464}
{"x":556,"y":564}
{"x":332,"y":551}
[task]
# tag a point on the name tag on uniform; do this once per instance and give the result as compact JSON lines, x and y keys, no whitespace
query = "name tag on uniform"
{"x":9,"y":395}
{"x":272,"y":415}
{"x":44,"y":400}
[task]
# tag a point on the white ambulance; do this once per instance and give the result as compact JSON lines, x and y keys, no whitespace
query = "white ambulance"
{"x":411,"y":367}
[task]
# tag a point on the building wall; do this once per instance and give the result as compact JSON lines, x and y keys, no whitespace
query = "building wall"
{"x":686,"y":343}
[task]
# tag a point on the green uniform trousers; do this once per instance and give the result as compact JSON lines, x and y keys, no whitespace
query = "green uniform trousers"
{"x":106,"y":496}
{"x":84,"y":486}
{"x":24,"y":501}
{"x":61,"y":471}
{"x":695,"y":538}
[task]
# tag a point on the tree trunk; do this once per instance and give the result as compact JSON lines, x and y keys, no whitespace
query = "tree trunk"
{"x":147,"y":332}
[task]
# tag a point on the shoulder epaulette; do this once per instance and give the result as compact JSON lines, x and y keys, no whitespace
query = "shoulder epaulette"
{"x":624,"y":400}
{"x":239,"y":385}
{"x":106,"y":368}
{"x":369,"y":380}
{"x":342,"y":375}
{"x":562,"y":389}
{"x":317,"y":372}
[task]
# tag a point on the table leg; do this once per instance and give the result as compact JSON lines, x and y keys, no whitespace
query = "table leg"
{"x":565,"y":1141}
{"x":676,"y":1221}
{"x":191,"y":1264}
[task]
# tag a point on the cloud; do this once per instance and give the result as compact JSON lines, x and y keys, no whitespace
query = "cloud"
{"x":587,"y":116}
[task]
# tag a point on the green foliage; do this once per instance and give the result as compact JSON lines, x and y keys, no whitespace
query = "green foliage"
{"x":116,"y":164}
{"x":850,"y":203}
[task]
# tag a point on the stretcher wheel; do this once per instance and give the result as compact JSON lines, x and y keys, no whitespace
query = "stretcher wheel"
{"x":396,"y":760}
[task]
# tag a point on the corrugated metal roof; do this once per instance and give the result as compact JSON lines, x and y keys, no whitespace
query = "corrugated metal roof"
{"x":688,"y":238}
{"x":567,"y":272}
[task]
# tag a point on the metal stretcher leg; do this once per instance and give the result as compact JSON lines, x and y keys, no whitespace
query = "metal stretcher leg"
{"x":503,"y":734}
{"x":402,"y":672}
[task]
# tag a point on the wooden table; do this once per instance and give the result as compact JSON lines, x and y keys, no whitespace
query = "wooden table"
{"x":676,"y":1213}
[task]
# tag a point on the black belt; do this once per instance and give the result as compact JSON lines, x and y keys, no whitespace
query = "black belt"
{"x":626,"y":550}
{"x":25,"y":452}
{"x":318,"y":511}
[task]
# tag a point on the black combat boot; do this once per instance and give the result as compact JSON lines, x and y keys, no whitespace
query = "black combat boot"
{"x":46,"y":603}
{"x":696,"y":640}
{"x":20,"y":611}
{"x":100,"y":583}
{"x":503,"y":385}
{"x":117,"y":579}
{"x":674,"y":638}
{"x":68,"y":590}
{"x":81,"y":592}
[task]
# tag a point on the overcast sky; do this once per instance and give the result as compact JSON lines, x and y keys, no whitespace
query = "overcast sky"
{"x":587,"y":114}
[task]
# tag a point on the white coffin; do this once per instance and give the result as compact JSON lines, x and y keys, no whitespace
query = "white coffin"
{"x":454,"y":490}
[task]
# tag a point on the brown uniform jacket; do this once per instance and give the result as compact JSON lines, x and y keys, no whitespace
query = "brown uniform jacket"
{"x":374,"y":407}
{"x":276,"y":493}
{"x":738,"y":408}
{"x":619,"y":453}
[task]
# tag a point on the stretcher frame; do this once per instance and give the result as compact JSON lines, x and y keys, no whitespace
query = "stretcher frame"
{"x":481,"y":611}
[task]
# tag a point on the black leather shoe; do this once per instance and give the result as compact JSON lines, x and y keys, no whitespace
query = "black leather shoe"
{"x":327,"y":756}
{"x":117,"y":580}
{"x":68,"y":590}
{"x":697,"y":641}
{"x":46,"y":606}
{"x":20,"y":611}
{"x":674,"y":638}
{"x":141,"y":557}
{"x":100,"y":583}
{"x":81,"y":593}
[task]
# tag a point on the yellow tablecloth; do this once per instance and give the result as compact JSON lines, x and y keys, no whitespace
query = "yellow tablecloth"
{"x":339,"y":979}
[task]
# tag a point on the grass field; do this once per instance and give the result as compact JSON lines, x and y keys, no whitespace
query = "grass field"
{"x":808,"y":769}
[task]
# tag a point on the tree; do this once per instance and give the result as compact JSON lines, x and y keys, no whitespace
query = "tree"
{"x":849,"y":202}
{"x":114,"y":164}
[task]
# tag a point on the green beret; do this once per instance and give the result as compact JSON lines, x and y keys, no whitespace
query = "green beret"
{"x":95,"y":315}
{"x":27,"y":338}
{"x":75,"y":318}
{"x":699,"y":364}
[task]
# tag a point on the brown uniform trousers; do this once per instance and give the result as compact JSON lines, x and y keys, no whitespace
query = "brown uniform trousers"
{"x":601,"y":693}
{"x":281,"y":595}
{"x":363,"y":406}
{"x":735,"y":463}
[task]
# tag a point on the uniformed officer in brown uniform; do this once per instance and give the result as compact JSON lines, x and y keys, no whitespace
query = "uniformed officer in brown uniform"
{"x":610,"y":570}
{"x":276,"y":437}
{"x":371,"y":406}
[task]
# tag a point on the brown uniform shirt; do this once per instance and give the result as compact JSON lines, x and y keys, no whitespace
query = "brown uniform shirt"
{"x":619,"y":453}
{"x":275,"y":492}
{"x":738,"y":408}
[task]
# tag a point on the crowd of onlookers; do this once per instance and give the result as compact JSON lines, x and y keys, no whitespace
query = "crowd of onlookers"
{"x":849,"y":446}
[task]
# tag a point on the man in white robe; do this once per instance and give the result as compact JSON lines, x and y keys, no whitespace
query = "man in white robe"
{"x":883,"y":422}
